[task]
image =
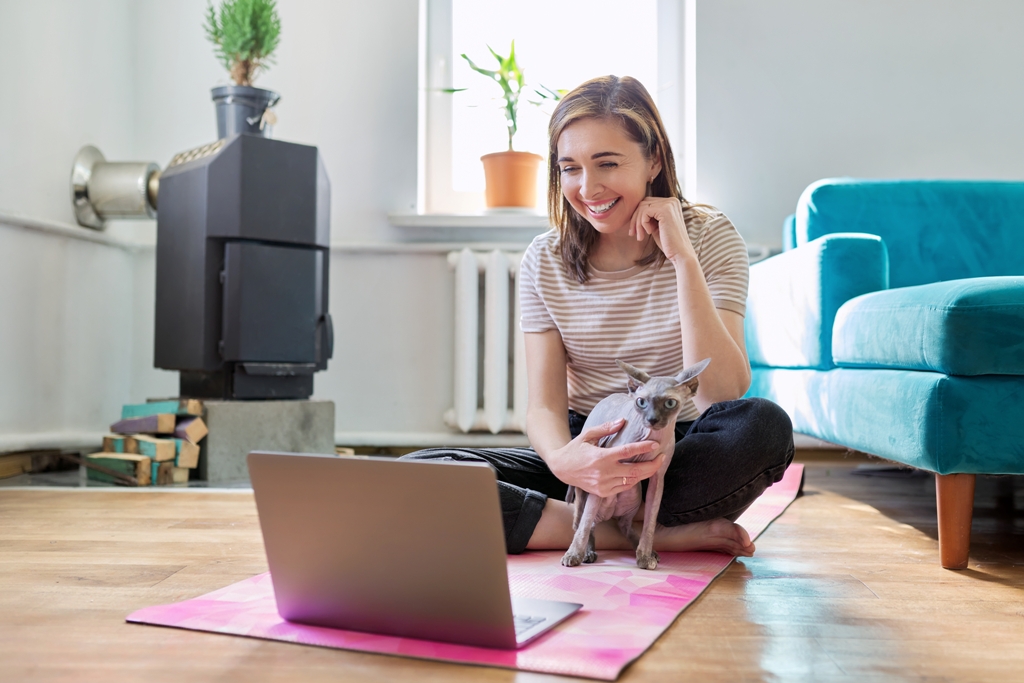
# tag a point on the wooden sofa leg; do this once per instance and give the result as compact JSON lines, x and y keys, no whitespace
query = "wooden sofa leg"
{"x":954,"y":498}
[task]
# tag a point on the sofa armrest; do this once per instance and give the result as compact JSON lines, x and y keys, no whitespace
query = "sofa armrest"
{"x":794,"y":297}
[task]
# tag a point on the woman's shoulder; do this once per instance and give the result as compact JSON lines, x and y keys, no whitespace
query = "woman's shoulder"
{"x":710,"y":229}
{"x":545,"y":242}
{"x":543,"y":249}
{"x":701,"y":217}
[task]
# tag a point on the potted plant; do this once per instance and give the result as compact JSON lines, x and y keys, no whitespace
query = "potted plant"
{"x":245,"y":34}
{"x":511,"y":176}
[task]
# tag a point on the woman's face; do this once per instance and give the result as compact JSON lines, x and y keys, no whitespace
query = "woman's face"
{"x":603,"y":172}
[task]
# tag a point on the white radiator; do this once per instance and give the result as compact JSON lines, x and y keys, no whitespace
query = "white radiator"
{"x":489,"y":395}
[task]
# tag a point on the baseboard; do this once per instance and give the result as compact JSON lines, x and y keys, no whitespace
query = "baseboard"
{"x":812,"y":443}
{"x":13,"y":443}
{"x":430,"y":439}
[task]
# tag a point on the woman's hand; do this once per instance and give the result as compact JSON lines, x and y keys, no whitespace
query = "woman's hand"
{"x":600,"y":471}
{"x":662,"y":219}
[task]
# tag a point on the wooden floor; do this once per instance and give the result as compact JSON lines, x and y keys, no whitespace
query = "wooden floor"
{"x":845,"y":586}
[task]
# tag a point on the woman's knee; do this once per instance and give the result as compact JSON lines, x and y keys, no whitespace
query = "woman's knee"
{"x":756,"y":425}
{"x":769,"y":416}
{"x":774,"y":427}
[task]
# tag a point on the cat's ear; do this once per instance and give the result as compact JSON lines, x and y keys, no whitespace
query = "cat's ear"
{"x":688,"y":377}
{"x":636,"y":377}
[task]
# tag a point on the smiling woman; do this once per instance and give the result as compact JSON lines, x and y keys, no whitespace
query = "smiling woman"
{"x":603,"y":175}
{"x":632,"y":272}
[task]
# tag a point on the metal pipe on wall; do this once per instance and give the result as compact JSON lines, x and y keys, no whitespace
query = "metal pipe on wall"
{"x":102,"y":189}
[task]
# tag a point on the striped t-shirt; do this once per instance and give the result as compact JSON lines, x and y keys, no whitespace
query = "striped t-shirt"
{"x":632,"y":314}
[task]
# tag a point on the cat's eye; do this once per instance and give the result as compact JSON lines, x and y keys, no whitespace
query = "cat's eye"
{"x":671,"y":403}
{"x":641,"y":403}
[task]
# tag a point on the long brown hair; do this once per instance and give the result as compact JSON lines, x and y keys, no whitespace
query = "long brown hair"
{"x":625,"y":101}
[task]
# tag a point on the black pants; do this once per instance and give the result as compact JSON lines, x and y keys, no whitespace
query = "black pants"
{"x":722,"y":462}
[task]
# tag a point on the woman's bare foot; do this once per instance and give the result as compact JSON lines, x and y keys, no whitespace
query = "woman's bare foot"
{"x":715,"y":535}
{"x":554,"y":532}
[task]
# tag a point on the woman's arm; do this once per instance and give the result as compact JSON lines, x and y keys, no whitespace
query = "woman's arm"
{"x":547,"y":407}
{"x":707,"y":332}
{"x":580,"y":461}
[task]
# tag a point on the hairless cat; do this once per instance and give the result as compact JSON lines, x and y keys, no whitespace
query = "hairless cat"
{"x":650,"y":410}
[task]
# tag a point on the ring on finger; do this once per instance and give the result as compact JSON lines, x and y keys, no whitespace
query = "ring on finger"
{"x":623,"y":481}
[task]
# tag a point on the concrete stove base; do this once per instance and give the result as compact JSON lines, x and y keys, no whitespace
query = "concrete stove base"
{"x":237,"y":427}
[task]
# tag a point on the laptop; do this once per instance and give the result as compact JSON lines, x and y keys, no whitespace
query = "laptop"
{"x":398,"y":547}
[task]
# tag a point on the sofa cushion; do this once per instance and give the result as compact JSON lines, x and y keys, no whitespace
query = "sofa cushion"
{"x":961,"y":327}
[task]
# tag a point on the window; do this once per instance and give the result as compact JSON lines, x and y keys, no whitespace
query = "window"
{"x":559,"y":44}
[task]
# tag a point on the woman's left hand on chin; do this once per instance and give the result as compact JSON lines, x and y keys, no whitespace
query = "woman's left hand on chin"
{"x":662,"y":219}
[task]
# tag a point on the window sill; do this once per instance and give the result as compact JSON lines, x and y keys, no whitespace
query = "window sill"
{"x":534,"y":222}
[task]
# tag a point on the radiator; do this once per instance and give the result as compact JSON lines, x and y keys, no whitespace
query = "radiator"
{"x":490,"y":358}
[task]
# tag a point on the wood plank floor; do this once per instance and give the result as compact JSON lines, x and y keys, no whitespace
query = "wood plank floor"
{"x":845,"y":586}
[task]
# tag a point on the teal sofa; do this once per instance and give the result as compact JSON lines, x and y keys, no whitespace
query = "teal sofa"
{"x":893,"y":323}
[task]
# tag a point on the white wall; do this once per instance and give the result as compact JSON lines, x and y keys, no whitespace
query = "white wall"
{"x":347,"y":75}
{"x":791,"y":91}
{"x":66,"y":79}
{"x":392,"y":367}
{"x":65,"y":304}
{"x":133,"y":78}
{"x":65,"y":322}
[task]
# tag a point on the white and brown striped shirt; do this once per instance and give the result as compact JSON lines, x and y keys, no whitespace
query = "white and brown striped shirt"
{"x":632,"y":314}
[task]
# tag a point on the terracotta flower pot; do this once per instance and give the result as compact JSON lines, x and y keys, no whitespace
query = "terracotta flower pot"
{"x":511,"y":179}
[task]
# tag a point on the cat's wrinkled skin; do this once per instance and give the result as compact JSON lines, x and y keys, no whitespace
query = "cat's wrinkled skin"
{"x":650,"y":410}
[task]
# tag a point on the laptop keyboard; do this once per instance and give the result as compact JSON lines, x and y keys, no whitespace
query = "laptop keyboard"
{"x":524,"y":622}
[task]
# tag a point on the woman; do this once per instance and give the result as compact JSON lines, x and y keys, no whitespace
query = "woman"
{"x":632,"y":272}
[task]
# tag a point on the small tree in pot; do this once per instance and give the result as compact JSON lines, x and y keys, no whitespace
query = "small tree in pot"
{"x":245,"y":34}
{"x":511,"y":176}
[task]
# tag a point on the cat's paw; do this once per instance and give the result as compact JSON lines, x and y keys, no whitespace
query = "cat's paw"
{"x":590,"y":556}
{"x":571,"y":559}
{"x":647,"y":560}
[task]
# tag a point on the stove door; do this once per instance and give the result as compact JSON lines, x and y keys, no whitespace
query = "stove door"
{"x":273,"y":302}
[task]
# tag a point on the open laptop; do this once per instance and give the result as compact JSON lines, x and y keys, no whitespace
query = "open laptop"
{"x":399,"y":547}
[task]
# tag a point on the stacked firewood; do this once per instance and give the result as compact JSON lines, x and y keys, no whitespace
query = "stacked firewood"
{"x":154,"y":443}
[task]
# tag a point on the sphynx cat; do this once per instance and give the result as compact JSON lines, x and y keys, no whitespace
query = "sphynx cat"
{"x":650,"y":410}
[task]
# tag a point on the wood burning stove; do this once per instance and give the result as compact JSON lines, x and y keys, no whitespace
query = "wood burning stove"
{"x":242,"y":263}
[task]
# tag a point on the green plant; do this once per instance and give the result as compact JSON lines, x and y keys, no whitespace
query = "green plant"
{"x":245,"y":34}
{"x":509,"y":76}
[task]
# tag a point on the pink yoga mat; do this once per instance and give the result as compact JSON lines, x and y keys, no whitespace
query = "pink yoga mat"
{"x":625,"y":609}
